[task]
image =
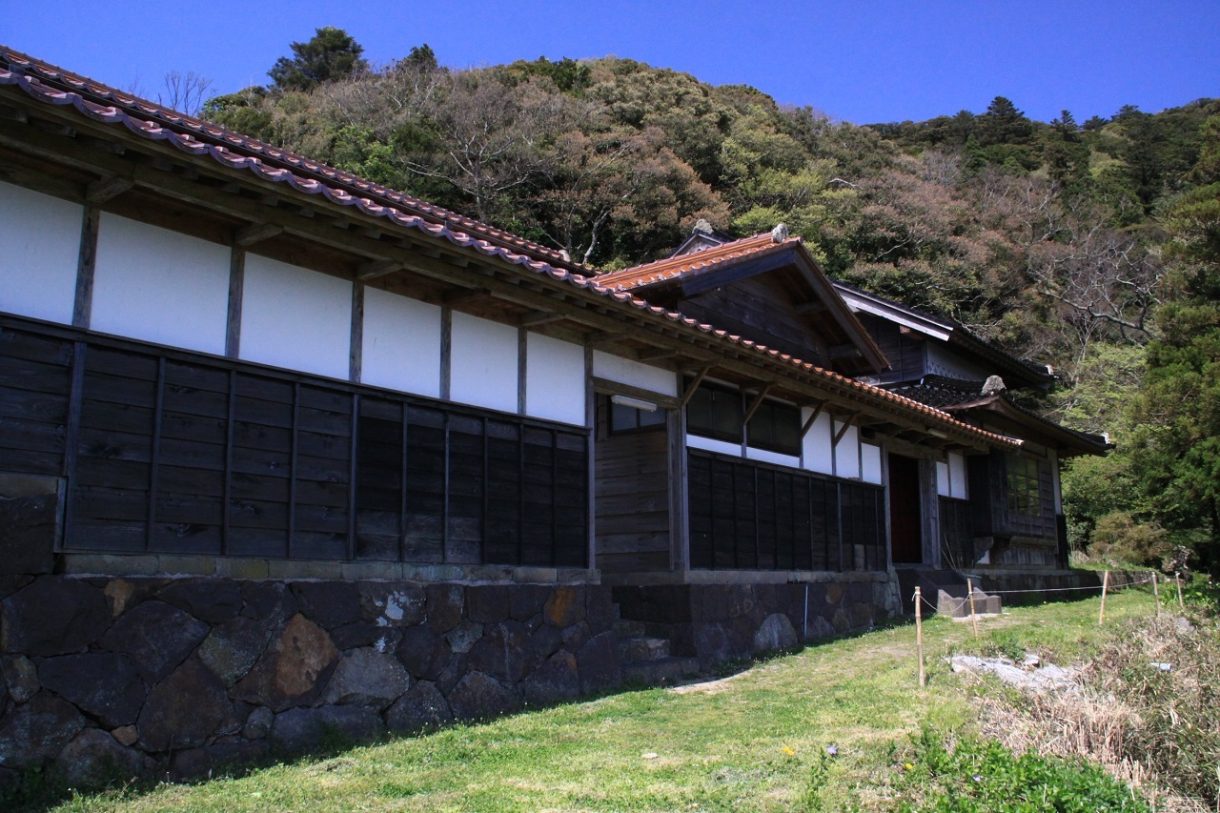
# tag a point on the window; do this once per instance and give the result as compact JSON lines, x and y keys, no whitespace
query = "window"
{"x":626,"y":418}
{"x":1023,"y":496}
{"x":715,"y":412}
{"x":776,"y":427}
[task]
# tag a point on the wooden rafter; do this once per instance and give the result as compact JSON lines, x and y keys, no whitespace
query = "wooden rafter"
{"x":848,"y":422}
{"x":758,"y":400}
{"x":694,"y":385}
{"x":817,"y":410}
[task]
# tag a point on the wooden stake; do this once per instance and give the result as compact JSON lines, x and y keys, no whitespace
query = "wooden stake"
{"x":1177,"y":577}
{"x":1105,"y":584}
{"x":1156,"y":594}
{"x":974,"y":618}
{"x":923,"y":675}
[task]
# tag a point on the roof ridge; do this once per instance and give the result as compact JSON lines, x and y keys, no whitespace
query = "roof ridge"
{"x":710,"y":256}
{"x":231,"y":139}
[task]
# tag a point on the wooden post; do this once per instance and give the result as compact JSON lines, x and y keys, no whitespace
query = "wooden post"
{"x":1177,"y":577}
{"x":923,"y":675}
{"x":1105,"y":584}
{"x":974,"y":618}
{"x":1156,"y":594}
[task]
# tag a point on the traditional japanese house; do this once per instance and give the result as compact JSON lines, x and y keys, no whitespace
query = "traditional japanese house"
{"x":322,"y":441}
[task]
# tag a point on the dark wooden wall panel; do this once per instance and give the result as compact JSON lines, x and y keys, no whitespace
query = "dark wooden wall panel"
{"x":632,"y":488}
{"x":180,"y":453}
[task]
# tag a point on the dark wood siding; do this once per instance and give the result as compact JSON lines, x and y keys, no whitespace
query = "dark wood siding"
{"x":748,"y":515}
{"x":632,"y":488}
{"x":907,"y":356}
{"x":956,"y":533}
{"x":180,"y":453}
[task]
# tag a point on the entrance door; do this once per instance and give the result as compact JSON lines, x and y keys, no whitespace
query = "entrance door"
{"x":905,"y":521}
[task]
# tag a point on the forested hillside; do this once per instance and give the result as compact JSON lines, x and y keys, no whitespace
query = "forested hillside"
{"x":1092,"y":247}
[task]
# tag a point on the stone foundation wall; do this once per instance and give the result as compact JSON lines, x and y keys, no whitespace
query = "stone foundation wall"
{"x":117,"y":677}
{"x":717,"y":623}
{"x":1059,"y":585}
{"x":106,"y":678}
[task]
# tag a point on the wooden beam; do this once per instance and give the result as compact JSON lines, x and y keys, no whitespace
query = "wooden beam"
{"x":813,"y":416}
{"x":465,"y":295}
{"x":757,"y":402}
{"x":378,"y":268}
{"x":811,"y":308}
{"x":658,"y":354}
{"x":694,"y":385}
{"x":107,"y":188}
{"x":86,"y":259}
{"x":600,"y":338}
{"x":608,"y":387}
{"x":848,"y":422}
{"x":256,"y":233}
{"x":540,"y":318}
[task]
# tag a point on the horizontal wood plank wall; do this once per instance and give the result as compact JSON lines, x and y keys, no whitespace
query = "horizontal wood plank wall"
{"x":956,"y":533}
{"x":746,"y":515}
{"x":632,"y":499}
{"x":181,"y":453}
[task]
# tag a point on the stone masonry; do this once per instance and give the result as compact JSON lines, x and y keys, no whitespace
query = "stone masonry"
{"x":109,"y":678}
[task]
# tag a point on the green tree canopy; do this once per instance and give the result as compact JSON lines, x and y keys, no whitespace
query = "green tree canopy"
{"x":330,"y":54}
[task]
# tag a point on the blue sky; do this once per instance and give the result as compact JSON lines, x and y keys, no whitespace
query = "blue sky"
{"x":857,"y":61}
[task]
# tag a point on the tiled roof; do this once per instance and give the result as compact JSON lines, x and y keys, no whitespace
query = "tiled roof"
{"x":688,"y":265}
{"x":940,"y":391}
{"x":52,"y":86}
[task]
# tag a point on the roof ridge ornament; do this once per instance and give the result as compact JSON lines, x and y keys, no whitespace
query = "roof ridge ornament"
{"x":780,"y":233}
{"x":703,"y":226}
{"x":993,"y":385}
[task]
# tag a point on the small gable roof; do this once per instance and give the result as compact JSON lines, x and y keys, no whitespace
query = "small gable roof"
{"x":736,"y":259}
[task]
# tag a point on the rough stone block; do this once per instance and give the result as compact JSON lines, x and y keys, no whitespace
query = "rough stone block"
{"x":299,"y":730}
{"x":389,"y":604}
{"x":184,"y":710}
{"x":502,"y":652}
{"x":367,"y":677}
{"x":156,"y":635}
{"x":478,"y":696}
{"x":776,"y":634}
{"x":329,"y":604}
{"x":243,"y":568}
{"x":94,"y":758}
{"x":105,"y":685}
{"x":20,"y":677}
{"x":53,"y":615}
{"x":211,"y":600}
{"x":422,"y":708}
{"x":445,"y":605}
{"x":554,"y":681}
{"x":293,"y":669}
{"x":37,"y":731}
{"x":231,"y":649}
{"x":598,"y":662}
{"x":423,"y":652}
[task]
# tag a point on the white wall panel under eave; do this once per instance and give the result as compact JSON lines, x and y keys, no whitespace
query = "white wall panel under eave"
{"x":713,"y":445}
{"x":944,"y":485}
{"x":483,"y":363}
{"x":159,"y":285}
{"x":815,"y":446}
{"x":554,"y":379}
{"x":39,"y":244}
{"x":296,"y":318}
{"x":870,"y":463}
{"x":401,"y":347}
{"x":634,"y":374}
{"x":847,"y":453}
{"x":777,"y":458}
{"x":957,"y":475}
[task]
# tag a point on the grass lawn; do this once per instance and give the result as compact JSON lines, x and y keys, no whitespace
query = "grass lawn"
{"x":753,"y":742}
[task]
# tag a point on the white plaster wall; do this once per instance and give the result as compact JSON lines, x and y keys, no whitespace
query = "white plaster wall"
{"x":483,"y":363}
{"x":847,"y":453}
{"x":944,"y":485}
{"x":160,"y":285}
{"x":773,"y":457}
{"x":554,"y":379}
{"x":296,"y":318}
{"x":713,"y":445}
{"x":957,"y":475}
{"x":401,"y":343}
{"x":39,"y":245}
{"x":870,"y":463}
{"x":816,"y":453}
{"x":634,"y":374}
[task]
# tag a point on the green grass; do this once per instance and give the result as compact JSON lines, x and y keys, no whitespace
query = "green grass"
{"x":756,"y":742}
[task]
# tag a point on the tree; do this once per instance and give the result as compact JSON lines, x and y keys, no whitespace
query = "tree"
{"x":185,"y":92}
{"x":1177,"y":455}
{"x":329,"y":55}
